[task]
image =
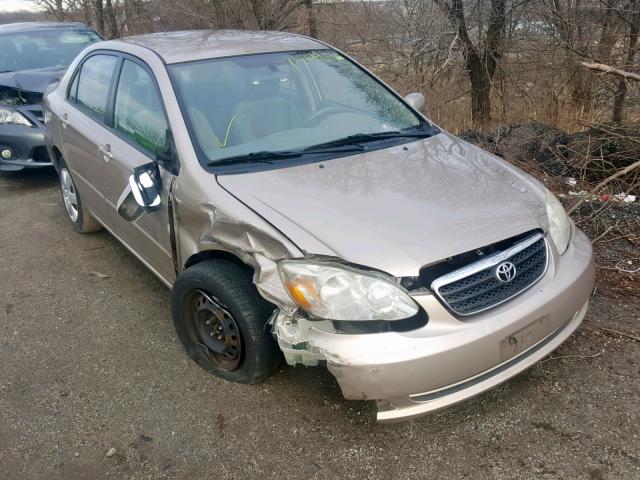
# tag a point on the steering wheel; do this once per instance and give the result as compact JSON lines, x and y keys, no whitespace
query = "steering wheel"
{"x":323,"y":112}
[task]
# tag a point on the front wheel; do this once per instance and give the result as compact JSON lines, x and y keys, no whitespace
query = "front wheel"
{"x":221,"y":321}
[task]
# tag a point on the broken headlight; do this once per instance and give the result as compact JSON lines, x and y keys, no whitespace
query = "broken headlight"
{"x":336,"y":292}
{"x":9,"y":116}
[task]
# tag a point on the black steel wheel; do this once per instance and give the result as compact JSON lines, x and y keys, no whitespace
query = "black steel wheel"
{"x":212,"y":327}
{"x":221,"y":321}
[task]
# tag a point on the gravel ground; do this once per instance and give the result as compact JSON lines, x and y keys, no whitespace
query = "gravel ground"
{"x":89,"y":364}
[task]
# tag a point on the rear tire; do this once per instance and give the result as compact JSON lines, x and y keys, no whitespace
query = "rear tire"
{"x":81,"y":219}
{"x":221,"y":321}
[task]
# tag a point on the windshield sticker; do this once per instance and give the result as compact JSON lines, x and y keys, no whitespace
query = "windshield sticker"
{"x":325,"y":56}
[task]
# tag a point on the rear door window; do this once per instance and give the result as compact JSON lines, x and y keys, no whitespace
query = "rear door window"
{"x":94,"y":82}
{"x":138,"y":112}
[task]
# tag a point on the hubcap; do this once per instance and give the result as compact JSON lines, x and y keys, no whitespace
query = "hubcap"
{"x":214,"y":329}
{"x":69,"y":195}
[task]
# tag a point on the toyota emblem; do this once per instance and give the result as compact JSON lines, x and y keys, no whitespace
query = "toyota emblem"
{"x":505,"y":272}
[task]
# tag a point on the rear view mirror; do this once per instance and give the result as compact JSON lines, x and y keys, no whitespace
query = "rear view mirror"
{"x":142,"y":193}
{"x":416,"y":100}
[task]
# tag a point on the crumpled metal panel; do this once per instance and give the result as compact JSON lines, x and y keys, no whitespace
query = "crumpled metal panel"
{"x":259,"y":248}
{"x":253,"y":246}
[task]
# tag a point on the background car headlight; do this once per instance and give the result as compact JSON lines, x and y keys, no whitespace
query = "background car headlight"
{"x":559,"y":223}
{"x":335,"y":292}
{"x":13,"y":117}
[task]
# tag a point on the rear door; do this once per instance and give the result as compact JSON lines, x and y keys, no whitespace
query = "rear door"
{"x":139,"y":132}
{"x":84,"y":131}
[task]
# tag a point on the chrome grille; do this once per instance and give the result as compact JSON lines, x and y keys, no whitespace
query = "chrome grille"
{"x":476,"y":287}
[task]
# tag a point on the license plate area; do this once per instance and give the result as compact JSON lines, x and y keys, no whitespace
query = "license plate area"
{"x":525,"y":338}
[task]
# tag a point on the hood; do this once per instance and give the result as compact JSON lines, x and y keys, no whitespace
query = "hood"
{"x":35,"y":81}
{"x":399,"y":208}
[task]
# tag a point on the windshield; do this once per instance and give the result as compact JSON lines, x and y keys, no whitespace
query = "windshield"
{"x":278,"y":106}
{"x":43,"y":48}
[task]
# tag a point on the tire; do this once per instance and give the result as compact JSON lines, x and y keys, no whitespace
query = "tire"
{"x":213,"y":301}
{"x":81,"y":219}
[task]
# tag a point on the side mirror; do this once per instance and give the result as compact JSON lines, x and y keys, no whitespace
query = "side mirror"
{"x":142,"y":193}
{"x":146,"y":185}
{"x":416,"y":100}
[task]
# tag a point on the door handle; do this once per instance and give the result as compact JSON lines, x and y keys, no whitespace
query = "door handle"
{"x":106,"y":152}
{"x":64,"y":118}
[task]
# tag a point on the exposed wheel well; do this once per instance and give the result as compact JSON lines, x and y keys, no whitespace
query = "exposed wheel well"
{"x":215,"y":254}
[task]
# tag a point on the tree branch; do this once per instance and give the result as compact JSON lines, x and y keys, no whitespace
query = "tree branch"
{"x":612,"y":71}
{"x":604,"y":182}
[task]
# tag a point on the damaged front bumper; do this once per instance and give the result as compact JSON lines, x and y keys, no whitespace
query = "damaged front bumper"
{"x":26,"y":144}
{"x":449,"y":360}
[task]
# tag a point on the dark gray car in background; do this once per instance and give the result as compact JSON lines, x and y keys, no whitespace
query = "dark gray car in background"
{"x":32,"y":56}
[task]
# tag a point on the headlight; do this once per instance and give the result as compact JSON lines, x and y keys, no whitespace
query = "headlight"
{"x":9,"y":116}
{"x":335,"y":292}
{"x":559,"y":223}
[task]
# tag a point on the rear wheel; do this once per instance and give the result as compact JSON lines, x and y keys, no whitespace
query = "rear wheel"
{"x":81,"y":219}
{"x":221,"y":321}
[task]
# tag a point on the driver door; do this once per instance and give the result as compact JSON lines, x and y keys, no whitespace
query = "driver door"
{"x":139,"y":134}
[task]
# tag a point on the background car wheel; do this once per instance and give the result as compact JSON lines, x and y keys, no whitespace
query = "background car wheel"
{"x":221,"y":319}
{"x":81,"y":219}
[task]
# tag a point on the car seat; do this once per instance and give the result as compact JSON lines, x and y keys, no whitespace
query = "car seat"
{"x":30,"y":56}
{"x":8,"y":55}
{"x":263,"y":109}
{"x":211,"y":102}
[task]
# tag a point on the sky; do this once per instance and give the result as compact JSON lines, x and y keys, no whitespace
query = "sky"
{"x":13,"y":5}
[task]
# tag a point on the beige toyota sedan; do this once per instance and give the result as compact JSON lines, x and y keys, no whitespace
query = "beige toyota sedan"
{"x":299,"y":208}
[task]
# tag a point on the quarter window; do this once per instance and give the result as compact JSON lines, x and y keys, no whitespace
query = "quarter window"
{"x":94,"y":81}
{"x":138,"y":112}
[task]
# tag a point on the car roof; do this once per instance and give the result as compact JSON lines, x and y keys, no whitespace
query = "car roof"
{"x":185,"y":46}
{"x":32,"y":26}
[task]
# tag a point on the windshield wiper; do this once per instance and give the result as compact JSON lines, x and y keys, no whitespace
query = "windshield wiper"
{"x":350,"y":144}
{"x":254,"y":157}
{"x":362,"y":138}
{"x":272,"y":157}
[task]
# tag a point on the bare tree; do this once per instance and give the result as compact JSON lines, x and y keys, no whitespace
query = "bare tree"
{"x":632,"y":21}
{"x":480,"y":58}
{"x":311,"y":18}
{"x":110,"y":13}
{"x":505,"y":61}
{"x":98,"y":9}
{"x":272,"y":14}
{"x":54,"y":8}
